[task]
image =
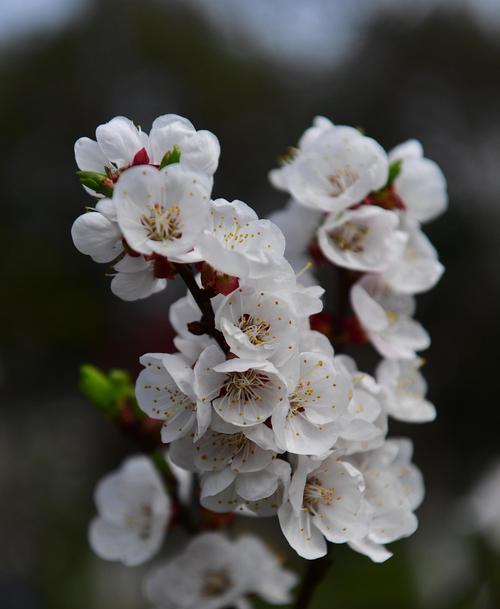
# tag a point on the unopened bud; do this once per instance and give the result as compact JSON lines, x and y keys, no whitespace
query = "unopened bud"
{"x":99,"y":182}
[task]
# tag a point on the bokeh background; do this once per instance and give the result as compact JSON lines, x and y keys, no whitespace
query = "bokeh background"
{"x":255,"y":73}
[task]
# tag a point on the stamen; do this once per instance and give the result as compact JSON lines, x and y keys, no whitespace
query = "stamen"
{"x":315,"y":493}
{"x":341,"y":180}
{"x":256,"y":329}
{"x":215,"y":583}
{"x":245,"y":386}
{"x":349,"y":236}
{"x":163,"y":224}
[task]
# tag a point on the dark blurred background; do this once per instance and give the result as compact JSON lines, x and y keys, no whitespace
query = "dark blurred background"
{"x":255,"y":73}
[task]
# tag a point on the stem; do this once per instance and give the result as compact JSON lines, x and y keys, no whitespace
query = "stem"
{"x":344,"y":279}
{"x":315,"y":572}
{"x":202,"y":299}
{"x":186,"y":516}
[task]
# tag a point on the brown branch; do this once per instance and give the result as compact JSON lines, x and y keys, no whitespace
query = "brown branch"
{"x":202,"y":299}
{"x":315,"y":572}
{"x":186,"y":516}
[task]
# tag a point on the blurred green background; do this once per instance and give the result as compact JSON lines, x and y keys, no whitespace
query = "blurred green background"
{"x":255,"y":74}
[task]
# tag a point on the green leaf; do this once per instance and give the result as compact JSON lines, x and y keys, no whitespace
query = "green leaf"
{"x":106,"y":392}
{"x":121,"y":384}
{"x":97,"y":387}
{"x":96,"y":181}
{"x":394,"y":171}
{"x":171,"y":156}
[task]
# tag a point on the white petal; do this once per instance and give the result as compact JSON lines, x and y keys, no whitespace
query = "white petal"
{"x":300,"y":533}
{"x":134,"y":286}
{"x":89,"y":156}
{"x":120,"y":140}
{"x":95,"y":235}
{"x":370,"y":313}
{"x":376,"y":552}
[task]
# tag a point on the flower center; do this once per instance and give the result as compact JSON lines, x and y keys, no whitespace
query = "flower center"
{"x":303,"y":395}
{"x":349,"y":236}
{"x":392,"y":316}
{"x":236,"y":236}
{"x":163,"y":223}
{"x":255,"y":328}
{"x":215,"y":583}
{"x":245,"y":386}
{"x":408,"y":387}
{"x":141,"y":521}
{"x":341,"y":180}
{"x":315,"y":493}
{"x":233,"y":441}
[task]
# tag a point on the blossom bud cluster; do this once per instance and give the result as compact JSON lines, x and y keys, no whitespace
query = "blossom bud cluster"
{"x":255,"y":403}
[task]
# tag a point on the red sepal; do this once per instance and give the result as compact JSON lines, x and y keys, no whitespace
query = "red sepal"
{"x":316,"y":254}
{"x":323,"y":322}
{"x":163,"y":268}
{"x":140,"y":158}
{"x":215,"y":281}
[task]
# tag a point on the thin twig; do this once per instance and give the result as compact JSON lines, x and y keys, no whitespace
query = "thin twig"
{"x":202,"y":299}
{"x":315,"y":572}
{"x":186,"y":517}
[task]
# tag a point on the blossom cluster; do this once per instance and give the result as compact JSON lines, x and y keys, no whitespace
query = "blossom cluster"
{"x":256,"y":404}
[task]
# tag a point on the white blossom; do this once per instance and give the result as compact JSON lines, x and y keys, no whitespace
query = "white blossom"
{"x":97,"y":234}
{"x":420,"y":184}
{"x":417,"y":269}
{"x":199,"y":150}
{"x":394,"y":489}
{"x":258,"y":325}
{"x":225,"y":445}
{"x":386,"y":318}
{"x":135,"y":278}
{"x":324,"y":500}
{"x":362,"y":239}
{"x":236,"y":242}
{"x":363,"y":425}
{"x":164,"y":391}
{"x":251,"y":493}
{"x":337,"y":168}
{"x":243,"y":392}
{"x":403,"y":390}
{"x":307,"y":423}
{"x":161,"y":211}
{"x":134,"y":511}
{"x":214,"y":572}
